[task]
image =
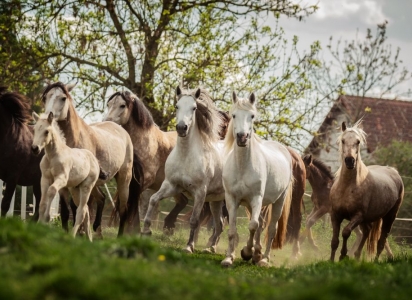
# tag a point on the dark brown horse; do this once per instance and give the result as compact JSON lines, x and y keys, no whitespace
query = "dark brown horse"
{"x":18,"y":166}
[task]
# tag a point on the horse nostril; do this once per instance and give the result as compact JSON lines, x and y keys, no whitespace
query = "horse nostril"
{"x":349,"y":160}
{"x":185,"y":128}
{"x":35,"y":148}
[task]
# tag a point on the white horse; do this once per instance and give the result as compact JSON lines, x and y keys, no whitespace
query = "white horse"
{"x":256,"y":173}
{"x":62,"y":166}
{"x":194,"y":166}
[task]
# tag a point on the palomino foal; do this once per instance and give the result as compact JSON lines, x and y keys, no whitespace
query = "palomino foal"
{"x":256,"y":173}
{"x":62,"y":166}
{"x":366,"y":196}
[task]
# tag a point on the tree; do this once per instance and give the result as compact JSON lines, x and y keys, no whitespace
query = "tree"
{"x":149,"y":47}
{"x":22,"y":69}
{"x":362,"y":67}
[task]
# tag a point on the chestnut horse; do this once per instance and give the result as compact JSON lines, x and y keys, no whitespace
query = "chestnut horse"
{"x":368,"y":197}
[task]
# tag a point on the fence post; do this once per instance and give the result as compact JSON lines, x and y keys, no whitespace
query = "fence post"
{"x":1,"y":191}
{"x":23,"y":202}
{"x":10,"y":213}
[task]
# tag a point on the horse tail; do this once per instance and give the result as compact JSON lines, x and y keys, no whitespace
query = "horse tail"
{"x":374,"y":235}
{"x":280,"y":237}
{"x":103,"y":175}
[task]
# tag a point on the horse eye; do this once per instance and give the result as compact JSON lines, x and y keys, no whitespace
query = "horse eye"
{"x":253,"y":116}
{"x":358,"y":142}
{"x":194,"y":108}
{"x":233,"y":116}
{"x":122,"y":106}
{"x":343,"y":142}
{"x":46,"y":132}
{"x":64,"y":98}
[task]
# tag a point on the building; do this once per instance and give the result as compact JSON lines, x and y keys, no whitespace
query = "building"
{"x":383,"y":121}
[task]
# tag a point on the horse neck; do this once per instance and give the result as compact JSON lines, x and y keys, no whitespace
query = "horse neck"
{"x":243,"y":155}
{"x":191,"y":141}
{"x":55,"y":145}
{"x":73,"y":127}
{"x":356,"y":175}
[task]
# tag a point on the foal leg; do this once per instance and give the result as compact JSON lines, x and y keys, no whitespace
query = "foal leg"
{"x":166,"y":190}
{"x":311,"y":221}
{"x":232,"y":205}
{"x":216,"y":210}
{"x":64,"y":208}
{"x":355,"y":245}
{"x":354,"y":222}
{"x":48,"y":194}
{"x":336,"y":222}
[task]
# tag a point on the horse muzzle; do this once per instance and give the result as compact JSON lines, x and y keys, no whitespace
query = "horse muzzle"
{"x":242,"y":138}
{"x":181,"y":129}
{"x":35,"y":149}
{"x":350,"y":162}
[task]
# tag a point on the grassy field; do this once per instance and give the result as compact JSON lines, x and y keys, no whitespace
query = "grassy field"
{"x":42,"y":262}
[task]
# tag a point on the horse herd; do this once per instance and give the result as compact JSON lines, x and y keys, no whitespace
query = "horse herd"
{"x":212,"y":157}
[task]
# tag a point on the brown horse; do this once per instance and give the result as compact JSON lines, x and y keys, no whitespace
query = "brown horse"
{"x":109,"y":142}
{"x":18,"y":166}
{"x":368,"y":197}
{"x":321,"y":180}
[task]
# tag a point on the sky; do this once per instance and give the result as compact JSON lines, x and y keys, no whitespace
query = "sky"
{"x":343,"y":18}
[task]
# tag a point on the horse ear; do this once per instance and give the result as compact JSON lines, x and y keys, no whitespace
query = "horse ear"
{"x":36,"y":117}
{"x":252,"y":98}
{"x":343,"y":126}
{"x":197,"y":95}
{"x":234,"y":97}
{"x":178,"y":91}
{"x":308,"y":159}
{"x":70,"y":86}
{"x":50,"y":118}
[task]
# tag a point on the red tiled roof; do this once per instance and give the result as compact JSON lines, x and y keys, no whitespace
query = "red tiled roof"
{"x":383,"y":120}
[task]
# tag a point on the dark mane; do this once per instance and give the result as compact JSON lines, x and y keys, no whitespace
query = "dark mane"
{"x":51,"y":86}
{"x":140,"y":114}
{"x":323,"y":168}
{"x":17,"y":105}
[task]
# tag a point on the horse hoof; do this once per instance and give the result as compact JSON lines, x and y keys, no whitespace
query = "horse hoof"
{"x":342,"y":257}
{"x":210,"y":250}
{"x":263,"y":263}
{"x":244,"y":255}
{"x":98,"y":233}
{"x":188,"y":249}
{"x":227,"y":262}
{"x":257,"y":257}
{"x":168,"y":231}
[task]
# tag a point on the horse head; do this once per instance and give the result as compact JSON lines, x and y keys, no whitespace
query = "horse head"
{"x":185,"y":111}
{"x":42,"y":129}
{"x":56,"y":99}
{"x":350,"y":142}
{"x":243,"y":115}
{"x":120,"y":106}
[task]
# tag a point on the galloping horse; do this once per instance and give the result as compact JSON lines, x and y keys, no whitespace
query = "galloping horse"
{"x":194,"y":166}
{"x":256,"y":173}
{"x":61,"y":166}
{"x":109,"y":142}
{"x":368,"y":197}
{"x":18,"y":165}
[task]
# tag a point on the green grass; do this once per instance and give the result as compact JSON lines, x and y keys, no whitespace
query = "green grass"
{"x":42,"y":262}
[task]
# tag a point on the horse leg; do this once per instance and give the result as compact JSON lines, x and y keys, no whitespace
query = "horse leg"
{"x":37,"y":196}
{"x":256,"y":207}
{"x":166,"y":190}
{"x":355,"y":246}
{"x":86,"y":223}
{"x":199,"y":200}
{"x":232,"y":205}
{"x":45,"y":184}
{"x":216,"y":210}
{"x":257,"y":253}
{"x":387,"y":222}
{"x":170,"y":220}
{"x":64,"y":208}
{"x":311,"y":221}
{"x":8,"y":194}
{"x":123,"y":180}
{"x":336,"y":222}
{"x":277,"y":208}
{"x":354,"y":222}
{"x":366,"y":228}
{"x":388,"y":250}
{"x":98,"y":195}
